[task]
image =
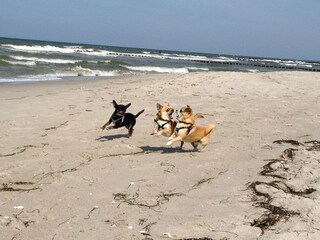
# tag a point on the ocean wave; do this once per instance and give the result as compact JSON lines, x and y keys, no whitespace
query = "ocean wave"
{"x":45,"y":60}
{"x":253,"y":70}
{"x":80,"y":71}
{"x":32,"y":61}
{"x":289,"y":63}
{"x":24,"y":63}
{"x":41,"y":61}
{"x":31,"y":78}
{"x":106,"y":53}
{"x":46,"y":48}
{"x":75,"y":72}
{"x":4,"y":63}
{"x":196,"y":69}
{"x":157,"y":69}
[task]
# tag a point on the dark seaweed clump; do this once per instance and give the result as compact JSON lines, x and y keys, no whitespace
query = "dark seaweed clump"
{"x":274,"y":214}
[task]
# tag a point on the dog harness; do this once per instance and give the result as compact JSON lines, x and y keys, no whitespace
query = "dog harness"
{"x":116,"y":121}
{"x":162,"y":125}
{"x":177,"y":129}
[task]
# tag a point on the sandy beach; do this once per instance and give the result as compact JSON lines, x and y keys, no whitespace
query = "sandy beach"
{"x":62,"y":178}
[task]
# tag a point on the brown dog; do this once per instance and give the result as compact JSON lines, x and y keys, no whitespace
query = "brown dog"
{"x":187,"y":131}
{"x":188,"y":116}
{"x":164,"y":124}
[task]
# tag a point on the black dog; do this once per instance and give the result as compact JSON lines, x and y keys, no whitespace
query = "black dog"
{"x":122,"y":119}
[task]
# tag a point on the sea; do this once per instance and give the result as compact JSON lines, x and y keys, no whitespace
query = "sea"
{"x":32,"y":60}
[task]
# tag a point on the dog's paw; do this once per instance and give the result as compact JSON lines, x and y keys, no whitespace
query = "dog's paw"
{"x":169,"y":143}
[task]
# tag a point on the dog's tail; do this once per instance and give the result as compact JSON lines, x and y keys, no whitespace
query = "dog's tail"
{"x":138,"y":114}
{"x":198,"y":116}
{"x":210,"y":128}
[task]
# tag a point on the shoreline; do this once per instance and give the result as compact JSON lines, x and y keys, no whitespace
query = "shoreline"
{"x":107,"y":185}
{"x":147,"y":75}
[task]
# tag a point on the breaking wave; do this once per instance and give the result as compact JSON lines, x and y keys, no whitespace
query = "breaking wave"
{"x":28,"y":60}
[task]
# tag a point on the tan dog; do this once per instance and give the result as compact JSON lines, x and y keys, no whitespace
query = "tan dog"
{"x":188,"y":116}
{"x":164,"y":124}
{"x":187,"y":131}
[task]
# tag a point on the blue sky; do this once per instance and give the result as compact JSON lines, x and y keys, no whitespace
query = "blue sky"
{"x":263,"y":28}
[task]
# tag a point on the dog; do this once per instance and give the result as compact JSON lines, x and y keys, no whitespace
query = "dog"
{"x":187,"y":131}
{"x":120,"y":118}
{"x":164,"y":123}
{"x":188,"y":116}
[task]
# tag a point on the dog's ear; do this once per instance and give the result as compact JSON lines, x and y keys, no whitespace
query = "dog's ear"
{"x":159,"y":106}
{"x":128,"y":105}
{"x":115,"y":104}
{"x":188,"y":109}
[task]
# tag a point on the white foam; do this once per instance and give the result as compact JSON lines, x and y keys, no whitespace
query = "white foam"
{"x":80,"y":71}
{"x":198,"y":69}
{"x":46,"y":48}
{"x":105,"y":53}
{"x":31,"y":78}
{"x":25,"y":63}
{"x":295,"y":64}
{"x":253,"y":70}
{"x":75,"y":72}
{"x":157,"y":69}
{"x":289,"y":63}
{"x":46,"y":60}
{"x":101,"y":53}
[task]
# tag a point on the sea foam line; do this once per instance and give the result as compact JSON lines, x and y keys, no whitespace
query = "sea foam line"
{"x":157,"y":69}
{"x":172,"y":56}
{"x":38,"y":48}
{"x":45,"y":60}
{"x":105,"y":53}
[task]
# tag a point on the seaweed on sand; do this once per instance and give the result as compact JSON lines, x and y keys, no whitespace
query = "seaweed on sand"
{"x":11,"y":187}
{"x":132,"y":200}
{"x":274,"y":213}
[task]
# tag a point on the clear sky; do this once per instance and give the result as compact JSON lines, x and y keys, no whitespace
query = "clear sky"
{"x":263,"y":28}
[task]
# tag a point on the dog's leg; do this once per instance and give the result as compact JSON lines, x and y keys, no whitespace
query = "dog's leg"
{"x":104,"y":126}
{"x":130,"y":132}
{"x":204,"y":142}
{"x":111,"y":127}
{"x":176,"y":139}
{"x":181,"y":145}
{"x":130,"y":128}
{"x":107,"y":123}
{"x":156,"y":132}
{"x":195,"y":146}
{"x":163,"y":132}
{"x":172,"y":136}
